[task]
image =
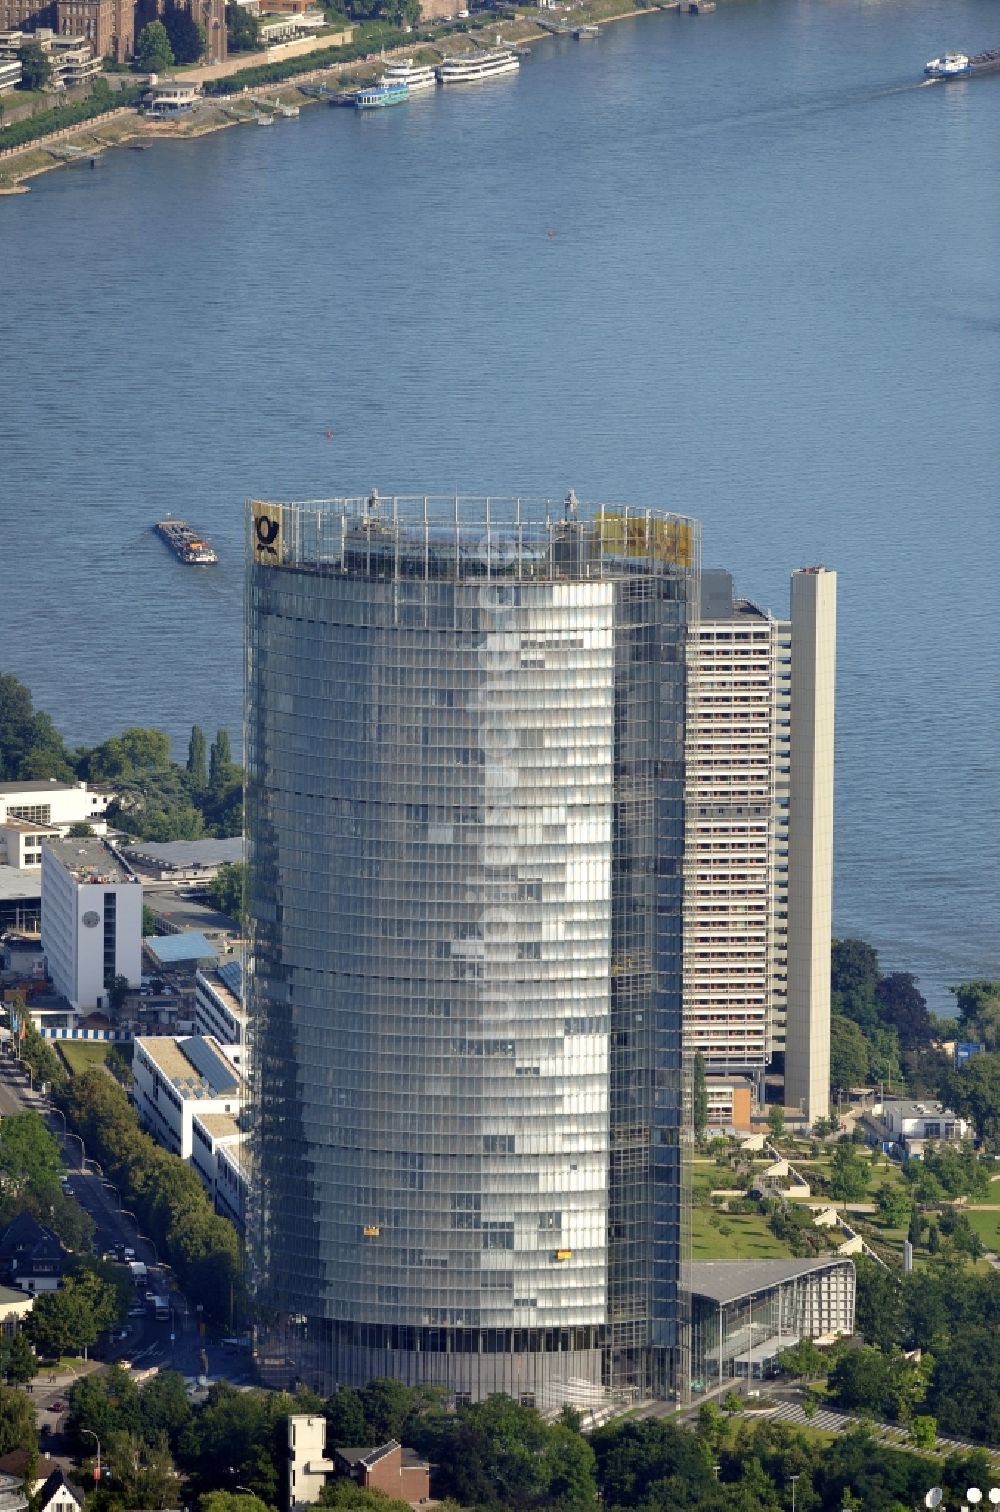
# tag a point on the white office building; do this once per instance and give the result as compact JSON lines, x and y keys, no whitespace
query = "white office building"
{"x":55,"y":805}
{"x":179,"y":1079}
{"x":759,"y":836}
{"x":91,"y":921}
{"x":218,"y":1008}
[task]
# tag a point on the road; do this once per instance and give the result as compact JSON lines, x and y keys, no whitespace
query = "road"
{"x":143,"y":1341}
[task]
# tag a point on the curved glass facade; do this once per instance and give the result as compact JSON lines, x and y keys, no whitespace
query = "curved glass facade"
{"x":464,"y":814}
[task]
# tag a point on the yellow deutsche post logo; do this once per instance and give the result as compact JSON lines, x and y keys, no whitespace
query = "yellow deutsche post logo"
{"x":267,"y":543}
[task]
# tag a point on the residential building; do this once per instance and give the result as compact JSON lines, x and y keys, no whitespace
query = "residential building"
{"x":55,"y":805}
{"x":465,"y":811}
{"x":48,"y":1486}
{"x":10,"y":74}
{"x":169,"y":97}
{"x":73,"y":61}
{"x":91,"y":920}
{"x":20,"y":898}
{"x":31,"y":1257}
{"x":397,"y":1472}
{"x":909,"y":1126}
{"x":400,"y":1473}
{"x":758,"y":851}
{"x":730,"y":1104}
{"x":218,"y":1008}
{"x":745,"y":1312}
{"x":178,"y":1079}
{"x":21,"y":841}
{"x":108,"y":25}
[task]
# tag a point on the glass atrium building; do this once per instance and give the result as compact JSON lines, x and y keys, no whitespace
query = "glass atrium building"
{"x":465,"y":754}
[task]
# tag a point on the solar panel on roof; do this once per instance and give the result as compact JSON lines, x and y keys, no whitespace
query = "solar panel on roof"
{"x":217,"y":1072}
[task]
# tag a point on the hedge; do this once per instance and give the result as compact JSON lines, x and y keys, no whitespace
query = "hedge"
{"x":47,"y":121}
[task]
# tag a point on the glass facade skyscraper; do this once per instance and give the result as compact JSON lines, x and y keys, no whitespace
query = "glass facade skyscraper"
{"x":465,"y":757}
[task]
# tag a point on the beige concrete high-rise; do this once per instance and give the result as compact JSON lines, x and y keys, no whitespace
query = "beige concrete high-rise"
{"x":810,"y":837}
{"x":752,"y":744}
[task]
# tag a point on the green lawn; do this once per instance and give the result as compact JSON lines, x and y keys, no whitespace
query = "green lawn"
{"x":749,"y":1238}
{"x":987,"y":1226}
{"x":80,"y":1055}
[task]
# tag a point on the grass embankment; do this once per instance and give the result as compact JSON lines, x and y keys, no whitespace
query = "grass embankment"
{"x":79,"y":1055}
{"x":733,"y":1236}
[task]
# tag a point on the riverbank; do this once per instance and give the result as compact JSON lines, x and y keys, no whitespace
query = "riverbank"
{"x":83,"y":146}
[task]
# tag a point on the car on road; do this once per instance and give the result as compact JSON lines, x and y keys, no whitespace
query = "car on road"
{"x":57,"y":1406}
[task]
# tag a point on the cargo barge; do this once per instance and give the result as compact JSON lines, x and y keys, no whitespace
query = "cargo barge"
{"x":186,"y":544}
{"x":963,"y":65}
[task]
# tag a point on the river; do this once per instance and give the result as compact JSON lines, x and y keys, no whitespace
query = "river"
{"x":742,"y":265}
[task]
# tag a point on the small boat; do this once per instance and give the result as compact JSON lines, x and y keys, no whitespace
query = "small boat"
{"x":470,"y":68}
{"x":587,"y":33}
{"x":264,"y":119}
{"x":187,"y":546}
{"x":378,"y":96}
{"x":288,"y":112}
{"x":415,"y":76}
{"x":950,"y":66}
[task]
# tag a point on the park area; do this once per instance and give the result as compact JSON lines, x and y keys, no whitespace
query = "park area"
{"x":79,"y":1055}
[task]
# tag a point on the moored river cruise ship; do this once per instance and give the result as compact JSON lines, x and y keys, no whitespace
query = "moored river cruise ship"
{"x":471,"y":67}
{"x":415,"y":76}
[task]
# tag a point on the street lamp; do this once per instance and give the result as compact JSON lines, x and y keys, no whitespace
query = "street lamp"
{"x":793,"y":1479}
{"x":69,"y":1134}
{"x":89,"y":1433}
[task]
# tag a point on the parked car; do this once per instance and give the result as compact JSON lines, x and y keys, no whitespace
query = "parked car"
{"x":57,"y":1406}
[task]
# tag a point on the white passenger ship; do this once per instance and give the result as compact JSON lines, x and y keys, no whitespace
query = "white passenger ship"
{"x":414,"y":75}
{"x":472,"y":67}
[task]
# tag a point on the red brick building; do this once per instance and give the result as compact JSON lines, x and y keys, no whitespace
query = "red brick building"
{"x":391,"y":1469}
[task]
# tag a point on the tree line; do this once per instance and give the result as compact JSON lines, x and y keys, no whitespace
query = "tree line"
{"x":157,"y":798}
{"x":230,"y":1454}
{"x":165,"y":1192}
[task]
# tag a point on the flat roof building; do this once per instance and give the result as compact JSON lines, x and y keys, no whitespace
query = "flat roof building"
{"x":55,"y":805}
{"x":910,"y":1124}
{"x":758,"y":860}
{"x":745,"y":1312}
{"x":177,"y":1080}
{"x":91,"y":920}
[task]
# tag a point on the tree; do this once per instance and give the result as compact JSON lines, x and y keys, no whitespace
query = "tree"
{"x":387,"y":1404}
{"x":231,"y":1501}
{"x":732,"y":1403}
{"x":80,"y":830}
{"x":803,"y":1360}
{"x":35,"y":68}
{"x":29,"y":1153}
{"x":849,"y":1173}
{"x":345,"y":1417}
{"x":62,"y":1322}
{"x":700,"y":1092}
{"x":220,"y":758}
{"x":118,"y":992}
{"x":29,"y":743}
{"x":17,"y":1421}
{"x":894,"y":1204}
{"x":197,"y":762}
{"x":153,"y":48}
{"x":923,"y":1431}
{"x":900,"y":1005}
{"x":139,"y":750}
{"x":964,"y":1390}
{"x":348,"y":1496}
{"x":242,"y":29}
{"x":863,"y":1378}
{"x":227,"y":889}
{"x":776,"y":1120}
{"x":854,"y":971}
{"x":979,"y":1010}
{"x":187,"y":36}
{"x":17,"y":1359}
{"x":145,"y":1475}
{"x":974,"y":1091}
{"x":848,"y":1054}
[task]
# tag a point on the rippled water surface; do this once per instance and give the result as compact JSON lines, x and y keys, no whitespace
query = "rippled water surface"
{"x":770,"y":300}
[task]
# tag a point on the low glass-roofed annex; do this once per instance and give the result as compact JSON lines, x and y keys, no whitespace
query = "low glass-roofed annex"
{"x":465,"y":746}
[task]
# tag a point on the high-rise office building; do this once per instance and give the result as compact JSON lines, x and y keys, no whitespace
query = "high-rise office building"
{"x":759,"y":843}
{"x":465,"y":813}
